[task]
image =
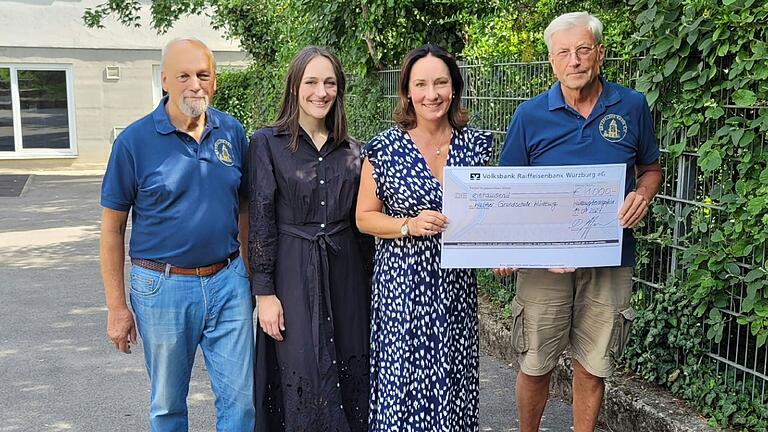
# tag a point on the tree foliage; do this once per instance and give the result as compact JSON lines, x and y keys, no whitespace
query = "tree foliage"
{"x":514,"y":32}
{"x":366,"y":34}
{"x":705,"y":70}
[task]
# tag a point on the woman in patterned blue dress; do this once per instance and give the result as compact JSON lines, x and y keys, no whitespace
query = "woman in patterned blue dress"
{"x":424,"y":343}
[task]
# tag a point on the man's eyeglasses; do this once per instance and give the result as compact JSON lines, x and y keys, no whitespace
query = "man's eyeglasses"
{"x":581,"y":52}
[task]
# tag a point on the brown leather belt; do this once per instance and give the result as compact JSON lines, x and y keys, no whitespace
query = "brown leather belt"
{"x":208,"y":270}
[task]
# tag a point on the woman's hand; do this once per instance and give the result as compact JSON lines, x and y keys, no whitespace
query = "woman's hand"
{"x":427,"y":223}
{"x":271,"y":316}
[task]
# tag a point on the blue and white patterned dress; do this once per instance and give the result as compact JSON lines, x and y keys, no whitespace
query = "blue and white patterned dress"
{"x":424,"y":343}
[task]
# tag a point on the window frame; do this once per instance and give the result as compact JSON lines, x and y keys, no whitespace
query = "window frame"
{"x":19,"y":151}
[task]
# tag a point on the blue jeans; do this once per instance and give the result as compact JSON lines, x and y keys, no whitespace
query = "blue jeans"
{"x":175,"y":314}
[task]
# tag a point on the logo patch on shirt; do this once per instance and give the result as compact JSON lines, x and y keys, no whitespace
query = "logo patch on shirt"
{"x":613,"y":127}
{"x":223,"y":151}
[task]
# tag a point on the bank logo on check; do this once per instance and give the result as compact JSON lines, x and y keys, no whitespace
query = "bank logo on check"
{"x":474,"y":176}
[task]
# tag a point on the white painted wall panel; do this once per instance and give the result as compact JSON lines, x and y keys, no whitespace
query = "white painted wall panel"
{"x":59,"y":24}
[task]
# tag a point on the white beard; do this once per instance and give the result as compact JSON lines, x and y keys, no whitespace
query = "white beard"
{"x":193,"y":107}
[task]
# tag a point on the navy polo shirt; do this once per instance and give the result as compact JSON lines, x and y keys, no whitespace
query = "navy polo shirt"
{"x":184,"y":196}
{"x":545,"y":131}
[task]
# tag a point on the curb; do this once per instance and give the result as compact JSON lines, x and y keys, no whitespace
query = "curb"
{"x":630,"y":405}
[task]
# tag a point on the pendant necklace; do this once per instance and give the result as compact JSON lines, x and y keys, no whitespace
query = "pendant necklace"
{"x":440,"y":144}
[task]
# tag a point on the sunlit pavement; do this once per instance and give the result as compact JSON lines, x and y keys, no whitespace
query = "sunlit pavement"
{"x":58,"y":370}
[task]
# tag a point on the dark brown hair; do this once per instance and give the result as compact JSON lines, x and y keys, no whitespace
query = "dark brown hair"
{"x":288,"y":116}
{"x":404,"y":114}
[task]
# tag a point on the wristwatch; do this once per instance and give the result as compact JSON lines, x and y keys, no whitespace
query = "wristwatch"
{"x":404,"y":228}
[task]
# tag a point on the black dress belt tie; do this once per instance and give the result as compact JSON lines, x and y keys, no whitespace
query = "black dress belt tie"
{"x":317,"y":275}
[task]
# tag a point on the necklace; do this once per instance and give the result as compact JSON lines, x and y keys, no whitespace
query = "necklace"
{"x":445,"y":136}
{"x":439,"y":146}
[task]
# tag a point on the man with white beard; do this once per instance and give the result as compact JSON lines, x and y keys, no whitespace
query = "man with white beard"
{"x":182,"y":172}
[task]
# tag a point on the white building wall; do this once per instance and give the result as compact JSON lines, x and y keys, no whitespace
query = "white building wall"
{"x":59,"y":24}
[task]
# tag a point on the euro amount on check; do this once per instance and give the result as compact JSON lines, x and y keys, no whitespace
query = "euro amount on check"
{"x":533,"y":217}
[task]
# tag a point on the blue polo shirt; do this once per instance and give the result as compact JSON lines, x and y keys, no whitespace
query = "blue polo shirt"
{"x":184,"y":196}
{"x":545,"y":131}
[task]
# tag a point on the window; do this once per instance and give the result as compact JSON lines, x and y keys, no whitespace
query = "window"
{"x":36,"y":111}
{"x":157,"y":85}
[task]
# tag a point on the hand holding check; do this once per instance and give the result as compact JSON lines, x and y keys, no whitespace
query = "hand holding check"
{"x":427,"y":223}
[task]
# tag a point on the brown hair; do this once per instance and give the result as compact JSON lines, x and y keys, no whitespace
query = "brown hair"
{"x":288,"y":116}
{"x":404,"y":114}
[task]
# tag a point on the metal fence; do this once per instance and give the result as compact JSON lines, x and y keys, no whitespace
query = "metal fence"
{"x":492,"y":94}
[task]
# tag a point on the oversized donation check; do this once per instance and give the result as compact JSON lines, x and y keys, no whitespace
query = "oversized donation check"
{"x":557,"y":216}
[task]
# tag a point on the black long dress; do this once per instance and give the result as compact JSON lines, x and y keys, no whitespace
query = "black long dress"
{"x":304,"y":248}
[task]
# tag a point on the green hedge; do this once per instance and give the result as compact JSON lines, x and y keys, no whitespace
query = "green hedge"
{"x":253,"y":97}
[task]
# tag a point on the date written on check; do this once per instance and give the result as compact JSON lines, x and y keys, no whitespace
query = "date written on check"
{"x":559,"y":216}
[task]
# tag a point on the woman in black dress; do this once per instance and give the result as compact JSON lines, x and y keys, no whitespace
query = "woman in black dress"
{"x":307,"y":259}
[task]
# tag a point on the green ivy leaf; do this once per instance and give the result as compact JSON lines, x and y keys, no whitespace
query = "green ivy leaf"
{"x":662,"y":46}
{"x":744,"y":98}
{"x":714,"y":112}
{"x":723,"y":49}
{"x":711,"y":161}
{"x":676,"y":149}
{"x":756,"y":205}
{"x":670,"y":66}
{"x":761,"y":338}
{"x":761,"y":310}
{"x":754,"y":275}
{"x":652,"y":96}
{"x":764,"y":176}
{"x":747,"y":139}
{"x":736,"y":135}
{"x":742,"y":248}
{"x":733,"y":269}
{"x":688,"y":75}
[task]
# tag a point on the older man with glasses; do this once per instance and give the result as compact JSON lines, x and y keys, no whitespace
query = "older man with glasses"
{"x":582,"y":119}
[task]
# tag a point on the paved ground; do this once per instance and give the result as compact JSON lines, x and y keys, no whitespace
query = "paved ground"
{"x":58,"y":371}
{"x":12,"y":185}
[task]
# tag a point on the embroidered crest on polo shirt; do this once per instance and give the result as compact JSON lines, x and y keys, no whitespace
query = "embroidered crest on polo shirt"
{"x":223,"y":150}
{"x":613,"y":127}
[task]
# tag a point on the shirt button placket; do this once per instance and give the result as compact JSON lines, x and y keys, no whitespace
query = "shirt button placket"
{"x":323,"y":191}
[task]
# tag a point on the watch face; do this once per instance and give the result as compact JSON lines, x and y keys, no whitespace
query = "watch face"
{"x":404,"y":229}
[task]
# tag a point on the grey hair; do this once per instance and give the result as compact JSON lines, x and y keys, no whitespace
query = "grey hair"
{"x":572,"y":20}
{"x":186,"y":39}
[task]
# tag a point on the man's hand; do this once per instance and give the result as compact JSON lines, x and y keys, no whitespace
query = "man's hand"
{"x":561,"y":270}
{"x":121,"y":329}
{"x":509,"y":271}
{"x":271,"y":316}
{"x":634,"y":210}
{"x":504,"y":271}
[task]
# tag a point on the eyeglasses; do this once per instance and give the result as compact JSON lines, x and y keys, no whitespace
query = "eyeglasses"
{"x":581,"y":52}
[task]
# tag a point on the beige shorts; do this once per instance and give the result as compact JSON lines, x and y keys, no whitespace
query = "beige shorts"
{"x":588,"y":310}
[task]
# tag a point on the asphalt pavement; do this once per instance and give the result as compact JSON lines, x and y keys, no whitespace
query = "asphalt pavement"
{"x":58,"y":370}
